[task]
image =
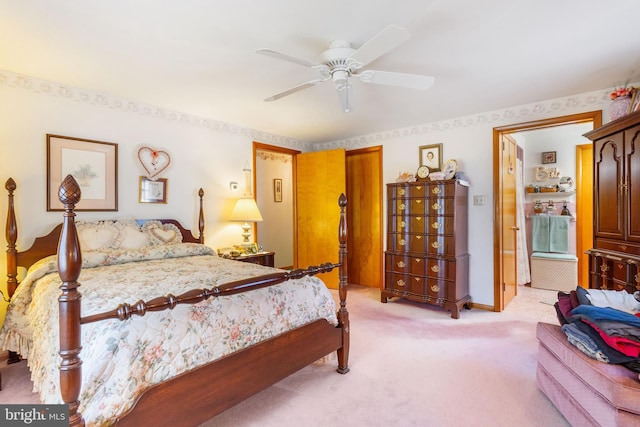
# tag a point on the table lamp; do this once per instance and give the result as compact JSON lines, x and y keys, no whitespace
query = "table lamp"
{"x":246,"y":211}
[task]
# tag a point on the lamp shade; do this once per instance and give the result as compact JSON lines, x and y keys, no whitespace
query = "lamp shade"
{"x":246,"y":210}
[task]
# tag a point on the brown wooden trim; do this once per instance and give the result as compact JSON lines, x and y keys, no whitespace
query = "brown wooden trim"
{"x":592,"y":116}
{"x":12,"y":236}
{"x":294,"y":167}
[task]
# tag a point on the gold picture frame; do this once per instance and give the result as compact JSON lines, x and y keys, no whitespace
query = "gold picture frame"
{"x":93,"y":164}
{"x":431,"y":156}
{"x":152,"y":191}
{"x":277,"y":190}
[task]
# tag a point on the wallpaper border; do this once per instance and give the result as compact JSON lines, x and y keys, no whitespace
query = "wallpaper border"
{"x":44,"y":87}
{"x":596,"y":100}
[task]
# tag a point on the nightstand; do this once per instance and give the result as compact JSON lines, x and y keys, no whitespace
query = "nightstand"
{"x":262,"y":258}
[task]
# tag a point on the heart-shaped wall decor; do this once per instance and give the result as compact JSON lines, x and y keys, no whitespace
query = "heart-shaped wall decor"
{"x":153,"y":161}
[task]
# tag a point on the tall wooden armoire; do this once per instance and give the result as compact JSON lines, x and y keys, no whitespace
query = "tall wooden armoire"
{"x":614,"y":261}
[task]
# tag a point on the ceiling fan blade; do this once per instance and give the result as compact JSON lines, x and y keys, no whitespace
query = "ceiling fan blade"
{"x":294,"y":90}
{"x":285,"y":57}
{"x":345,"y":95}
{"x":380,"y":44}
{"x":411,"y":81}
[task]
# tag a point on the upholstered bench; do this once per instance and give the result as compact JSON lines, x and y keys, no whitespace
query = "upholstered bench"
{"x":586,"y":391}
{"x":558,"y":272}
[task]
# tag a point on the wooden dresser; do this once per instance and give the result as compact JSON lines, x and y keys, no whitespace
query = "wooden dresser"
{"x":426,"y":258}
{"x":615,"y":257}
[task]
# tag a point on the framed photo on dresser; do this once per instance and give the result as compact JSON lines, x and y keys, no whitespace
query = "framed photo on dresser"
{"x":431,"y":156}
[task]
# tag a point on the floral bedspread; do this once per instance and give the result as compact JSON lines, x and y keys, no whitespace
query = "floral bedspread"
{"x":122,"y":358}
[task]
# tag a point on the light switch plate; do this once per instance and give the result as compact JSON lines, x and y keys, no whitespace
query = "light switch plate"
{"x":478,"y":200}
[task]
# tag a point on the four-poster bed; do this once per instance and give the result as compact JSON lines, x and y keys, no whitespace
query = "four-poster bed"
{"x":198,"y":390}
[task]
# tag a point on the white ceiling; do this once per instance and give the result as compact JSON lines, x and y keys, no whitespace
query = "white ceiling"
{"x":197,"y":56}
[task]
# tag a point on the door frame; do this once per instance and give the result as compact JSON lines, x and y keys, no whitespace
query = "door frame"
{"x":375,"y":198}
{"x":275,"y":149}
{"x":594,"y":117}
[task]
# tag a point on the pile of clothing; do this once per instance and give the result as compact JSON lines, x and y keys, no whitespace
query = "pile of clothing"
{"x":603,"y":324}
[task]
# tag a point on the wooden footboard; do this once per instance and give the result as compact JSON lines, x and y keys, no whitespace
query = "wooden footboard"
{"x":195,"y":396}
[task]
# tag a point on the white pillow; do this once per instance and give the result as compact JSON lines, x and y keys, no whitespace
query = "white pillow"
{"x":95,"y":236}
{"x":161,"y":234}
{"x":133,"y":238}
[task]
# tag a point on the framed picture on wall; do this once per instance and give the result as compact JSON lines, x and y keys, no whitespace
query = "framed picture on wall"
{"x":152,"y":191}
{"x":93,"y":164}
{"x":548,"y":157}
{"x":431,"y":156}
{"x":277,"y":190}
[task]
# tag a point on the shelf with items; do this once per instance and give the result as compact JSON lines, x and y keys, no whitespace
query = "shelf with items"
{"x":554,"y":194}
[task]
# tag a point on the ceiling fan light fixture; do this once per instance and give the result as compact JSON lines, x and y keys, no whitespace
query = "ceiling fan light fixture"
{"x":340,"y":77}
{"x":341,"y":61}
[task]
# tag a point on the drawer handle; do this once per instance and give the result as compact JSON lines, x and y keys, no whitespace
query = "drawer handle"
{"x":418,"y":218}
{"x":435,"y":206}
{"x":435,"y":288}
{"x":623,"y":247}
{"x":435,"y":245}
{"x":435,"y":225}
{"x":401,"y":264}
{"x":401,"y":282}
{"x":418,"y":260}
{"x":402,"y":206}
{"x":402,"y":242}
{"x":435,"y":190}
{"x":419,"y":187}
{"x":418,"y":201}
{"x":620,"y":266}
{"x":604,"y":268}
{"x":402,"y":191}
{"x":417,"y":279}
{"x":403,"y":224}
{"x":435,"y":268}
{"x":418,"y":237}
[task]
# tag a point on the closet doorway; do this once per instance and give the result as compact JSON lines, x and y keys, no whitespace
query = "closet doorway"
{"x":505,"y":220}
{"x":279,"y":232}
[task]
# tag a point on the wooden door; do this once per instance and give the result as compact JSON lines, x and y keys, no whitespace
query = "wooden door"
{"x":584,"y":210}
{"x":364,"y":216}
{"x":509,"y":222}
{"x":631,"y":185}
{"x":320,"y":179}
{"x":608,"y":174}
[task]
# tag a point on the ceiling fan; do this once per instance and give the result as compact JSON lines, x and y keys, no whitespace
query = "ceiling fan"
{"x":342,"y":62}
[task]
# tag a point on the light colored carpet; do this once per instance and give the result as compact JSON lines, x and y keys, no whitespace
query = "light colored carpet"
{"x":411,"y":365}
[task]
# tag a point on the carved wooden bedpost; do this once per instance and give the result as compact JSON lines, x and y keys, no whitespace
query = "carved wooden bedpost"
{"x":201,"y":217}
{"x":12,"y":253}
{"x":69,"y":265}
{"x":343,"y":314}
{"x":12,"y":238}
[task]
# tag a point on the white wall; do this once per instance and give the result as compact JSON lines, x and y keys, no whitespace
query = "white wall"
{"x":204,"y":153}
{"x":209,"y":154}
{"x":469,"y":140}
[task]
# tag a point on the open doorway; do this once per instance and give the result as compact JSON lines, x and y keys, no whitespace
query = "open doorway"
{"x":274,"y":171}
{"x":505,"y":229}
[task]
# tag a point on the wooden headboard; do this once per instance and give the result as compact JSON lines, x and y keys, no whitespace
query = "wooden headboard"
{"x":44,"y":246}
